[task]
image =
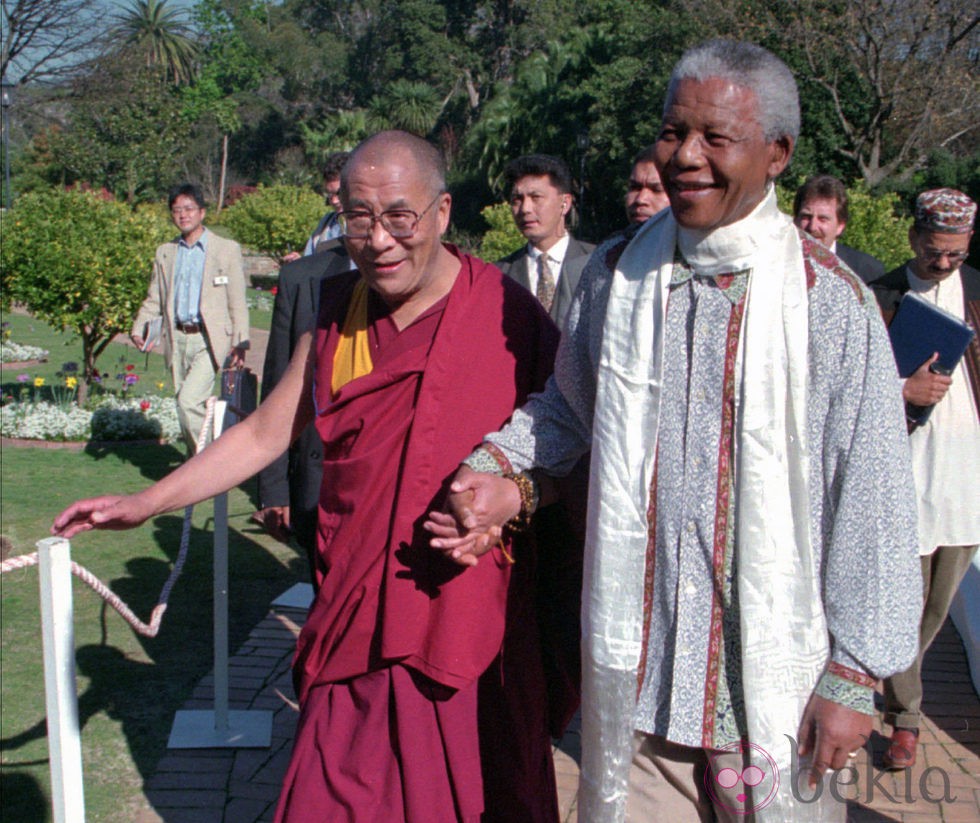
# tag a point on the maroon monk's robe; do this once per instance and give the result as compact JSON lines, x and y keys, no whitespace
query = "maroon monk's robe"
{"x":389,"y":664}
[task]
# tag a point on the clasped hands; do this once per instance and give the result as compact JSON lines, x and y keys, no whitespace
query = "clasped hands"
{"x":476,"y":510}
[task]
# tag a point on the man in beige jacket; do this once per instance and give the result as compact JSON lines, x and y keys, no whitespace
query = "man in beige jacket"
{"x":197,"y":289}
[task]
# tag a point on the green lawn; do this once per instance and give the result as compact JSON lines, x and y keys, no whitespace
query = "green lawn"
{"x":154,"y":376}
{"x":63,"y":348}
{"x":260,"y":318}
{"x":129,"y":686}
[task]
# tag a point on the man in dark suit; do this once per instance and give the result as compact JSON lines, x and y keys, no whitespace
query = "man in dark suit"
{"x":820,"y":209}
{"x":946,"y":447}
{"x":289,"y":488}
{"x":551,"y":263}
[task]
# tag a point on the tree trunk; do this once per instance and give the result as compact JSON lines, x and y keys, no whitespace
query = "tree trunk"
{"x":224,"y":169}
{"x":88,"y":371}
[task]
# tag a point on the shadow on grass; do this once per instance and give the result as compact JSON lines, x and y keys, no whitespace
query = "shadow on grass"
{"x":145,"y":698}
{"x":157,"y":461}
{"x":143,"y":695}
{"x":153,"y":461}
{"x":23,"y":799}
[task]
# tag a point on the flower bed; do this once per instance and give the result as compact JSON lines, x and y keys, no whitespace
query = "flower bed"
{"x":112,"y":419}
{"x":260,"y":302}
{"x":11,"y":352}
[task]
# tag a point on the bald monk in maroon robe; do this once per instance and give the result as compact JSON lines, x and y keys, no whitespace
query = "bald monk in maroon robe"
{"x":421,"y":690}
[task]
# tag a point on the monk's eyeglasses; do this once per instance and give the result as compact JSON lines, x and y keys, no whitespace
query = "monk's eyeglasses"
{"x":399,"y":223}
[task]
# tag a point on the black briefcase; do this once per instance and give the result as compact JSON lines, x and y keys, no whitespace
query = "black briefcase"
{"x":240,"y":390}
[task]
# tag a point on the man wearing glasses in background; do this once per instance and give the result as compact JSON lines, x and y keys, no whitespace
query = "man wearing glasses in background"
{"x":197,"y":289}
{"x":946,"y":448}
{"x":327,"y":234}
{"x":421,"y":687}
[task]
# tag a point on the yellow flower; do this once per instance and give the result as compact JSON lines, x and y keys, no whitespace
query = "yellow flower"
{"x":159,"y":384}
{"x":71,"y":382}
{"x":38,"y":382}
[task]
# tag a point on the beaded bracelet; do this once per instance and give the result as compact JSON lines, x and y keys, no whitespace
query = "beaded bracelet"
{"x":529,"y":500}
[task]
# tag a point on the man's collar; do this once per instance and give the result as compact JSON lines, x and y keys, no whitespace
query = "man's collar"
{"x":201,"y":241}
{"x":556,"y":252}
{"x":920,"y":286}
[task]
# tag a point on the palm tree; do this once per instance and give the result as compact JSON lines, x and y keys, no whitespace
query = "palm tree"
{"x":163,"y":35}
{"x":407,"y":105}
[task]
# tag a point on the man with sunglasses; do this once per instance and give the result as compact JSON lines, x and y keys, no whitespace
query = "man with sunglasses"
{"x":946,"y":448}
{"x":421,"y":687}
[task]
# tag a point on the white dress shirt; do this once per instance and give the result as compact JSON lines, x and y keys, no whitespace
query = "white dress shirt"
{"x":946,"y":450}
{"x":556,"y":256}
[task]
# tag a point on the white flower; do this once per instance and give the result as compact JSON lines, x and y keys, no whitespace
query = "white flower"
{"x":111,"y":419}
{"x":11,"y":352}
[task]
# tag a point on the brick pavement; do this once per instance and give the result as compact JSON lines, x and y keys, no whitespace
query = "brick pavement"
{"x":241,"y":786}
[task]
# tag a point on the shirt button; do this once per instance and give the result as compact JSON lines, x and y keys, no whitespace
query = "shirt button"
{"x":691,"y":527}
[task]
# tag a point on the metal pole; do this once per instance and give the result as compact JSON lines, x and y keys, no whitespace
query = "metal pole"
{"x":60,"y":696}
{"x":221,"y":613}
{"x":4,"y":105}
{"x":221,"y":728}
{"x":6,"y":100}
{"x":6,"y":157}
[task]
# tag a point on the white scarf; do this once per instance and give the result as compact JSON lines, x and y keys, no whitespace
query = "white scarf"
{"x":784,"y":634}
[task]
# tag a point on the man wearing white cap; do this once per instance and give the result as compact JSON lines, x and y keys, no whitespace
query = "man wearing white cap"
{"x":946,"y":448}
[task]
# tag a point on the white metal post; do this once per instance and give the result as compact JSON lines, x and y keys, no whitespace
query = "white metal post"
{"x":222,"y":727}
{"x":61,"y":698}
{"x":221,"y":613}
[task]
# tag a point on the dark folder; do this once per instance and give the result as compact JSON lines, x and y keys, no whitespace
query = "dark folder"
{"x":920,"y":328}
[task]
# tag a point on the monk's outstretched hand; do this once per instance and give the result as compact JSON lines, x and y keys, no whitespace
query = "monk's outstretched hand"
{"x":109,"y":512}
{"x":478,"y":506}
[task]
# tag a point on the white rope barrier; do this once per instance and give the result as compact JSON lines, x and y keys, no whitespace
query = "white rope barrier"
{"x":152,"y":628}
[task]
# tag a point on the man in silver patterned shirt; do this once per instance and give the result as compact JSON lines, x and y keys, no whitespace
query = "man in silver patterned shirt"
{"x":750,"y":550}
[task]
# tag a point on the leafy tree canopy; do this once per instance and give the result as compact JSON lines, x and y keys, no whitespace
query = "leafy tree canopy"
{"x":80,"y":261}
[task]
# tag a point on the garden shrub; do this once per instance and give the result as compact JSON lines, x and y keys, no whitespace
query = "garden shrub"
{"x":875,"y":227}
{"x":874,"y":223}
{"x":274,"y":220}
{"x":503,"y":236}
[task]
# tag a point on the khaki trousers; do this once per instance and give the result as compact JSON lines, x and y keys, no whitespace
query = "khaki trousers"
{"x":667,"y":783}
{"x":193,"y":373}
{"x":942,"y":572}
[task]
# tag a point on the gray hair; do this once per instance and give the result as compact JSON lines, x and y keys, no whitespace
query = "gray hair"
{"x":751,"y":67}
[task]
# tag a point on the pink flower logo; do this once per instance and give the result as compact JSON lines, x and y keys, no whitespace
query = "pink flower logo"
{"x":743,"y":783}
